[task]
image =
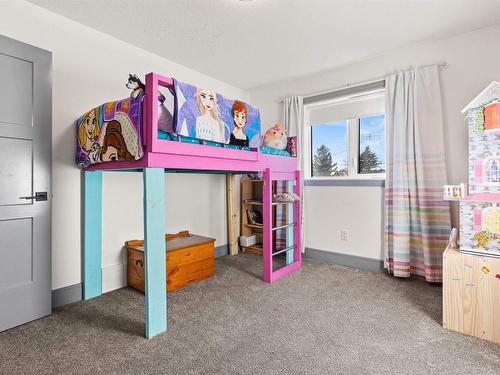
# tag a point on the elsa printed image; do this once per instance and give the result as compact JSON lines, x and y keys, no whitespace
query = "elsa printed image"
{"x":209,"y":125}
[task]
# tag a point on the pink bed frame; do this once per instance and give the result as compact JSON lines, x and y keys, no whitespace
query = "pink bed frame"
{"x":176,"y":155}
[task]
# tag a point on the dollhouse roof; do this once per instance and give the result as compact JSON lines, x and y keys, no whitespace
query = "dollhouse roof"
{"x":487,"y":95}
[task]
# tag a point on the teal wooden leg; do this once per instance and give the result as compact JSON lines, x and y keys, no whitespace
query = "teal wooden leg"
{"x":154,"y":252}
{"x":289,"y":230}
{"x":92,"y":234}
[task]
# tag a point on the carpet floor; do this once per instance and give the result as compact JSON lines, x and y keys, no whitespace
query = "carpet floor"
{"x":324,"y":319}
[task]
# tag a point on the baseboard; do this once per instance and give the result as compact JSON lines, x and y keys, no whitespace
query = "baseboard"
{"x":114,"y":277}
{"x":67,"y":294}
{"x":221,"y":250}
{"x":366,"y":264}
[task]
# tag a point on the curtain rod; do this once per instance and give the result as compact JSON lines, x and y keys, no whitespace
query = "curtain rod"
{"x":358,"y":84}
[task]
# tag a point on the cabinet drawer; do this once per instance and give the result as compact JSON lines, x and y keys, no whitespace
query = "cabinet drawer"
{"x":190,"y":254}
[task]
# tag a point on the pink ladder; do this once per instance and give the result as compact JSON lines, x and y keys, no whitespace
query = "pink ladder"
{"x":268,"y":252}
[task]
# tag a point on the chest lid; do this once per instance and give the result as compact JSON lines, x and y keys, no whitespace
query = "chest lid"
{"x":176,"y":241}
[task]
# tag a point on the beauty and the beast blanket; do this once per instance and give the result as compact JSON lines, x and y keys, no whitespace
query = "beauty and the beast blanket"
{"x":204,"y":114}
{"x":110,"y":132}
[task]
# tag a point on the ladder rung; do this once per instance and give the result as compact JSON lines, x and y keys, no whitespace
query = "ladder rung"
{"x":285,"y":226}
{"x":259,"y":203}
{"x":283,"y":250}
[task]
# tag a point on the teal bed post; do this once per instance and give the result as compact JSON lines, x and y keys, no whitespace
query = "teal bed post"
{"x":92,"y":234}
{"x":154,"y":252}
{"x":289,"y":230}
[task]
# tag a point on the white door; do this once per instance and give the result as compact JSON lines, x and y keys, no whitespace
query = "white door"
{"x":25,"y":182}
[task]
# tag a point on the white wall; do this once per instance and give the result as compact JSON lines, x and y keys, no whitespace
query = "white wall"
{"x":473,"y":61}
{"x":88,"y":69}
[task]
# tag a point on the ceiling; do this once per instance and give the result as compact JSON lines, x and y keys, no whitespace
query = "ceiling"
{"x":251,"y":43}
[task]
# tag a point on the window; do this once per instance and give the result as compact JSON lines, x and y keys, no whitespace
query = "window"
{"x":491,"y":116}
{"x":492,"y":171}
{"x":492,"y":219}
{"x":371,"y":149}
{"x":329,"y":149}
{"x":345,"y":137}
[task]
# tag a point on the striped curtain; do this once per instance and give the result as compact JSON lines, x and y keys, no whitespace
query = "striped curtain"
{"x":417,"y":220}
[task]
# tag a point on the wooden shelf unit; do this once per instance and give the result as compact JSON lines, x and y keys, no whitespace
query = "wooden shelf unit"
{"x":251,"y":197}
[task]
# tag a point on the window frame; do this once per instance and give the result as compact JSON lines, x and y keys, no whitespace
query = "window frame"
{"x":353,"y":151}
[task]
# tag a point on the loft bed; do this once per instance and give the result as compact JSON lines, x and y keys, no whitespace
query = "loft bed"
{"x":172,"y":153}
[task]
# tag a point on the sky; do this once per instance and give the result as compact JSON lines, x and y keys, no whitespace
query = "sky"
{"x":334,"y":136}
{"x":371,"y":133}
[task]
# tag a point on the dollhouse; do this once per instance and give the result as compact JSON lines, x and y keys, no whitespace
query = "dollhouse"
{"x":480,"y":209}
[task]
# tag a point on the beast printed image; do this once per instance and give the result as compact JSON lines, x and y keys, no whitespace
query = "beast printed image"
{"x":204,"y":114}
{"x":110,"y":132}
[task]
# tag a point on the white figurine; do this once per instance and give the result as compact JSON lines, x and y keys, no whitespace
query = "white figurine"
{"x":452,"y":241}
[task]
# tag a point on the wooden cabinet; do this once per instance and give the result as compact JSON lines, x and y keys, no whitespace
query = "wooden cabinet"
{"x":190,"y":258}
{"x":251,"y":198}
{"x":471,"y":294}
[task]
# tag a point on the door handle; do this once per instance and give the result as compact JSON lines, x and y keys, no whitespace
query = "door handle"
{"x":39,"y":196}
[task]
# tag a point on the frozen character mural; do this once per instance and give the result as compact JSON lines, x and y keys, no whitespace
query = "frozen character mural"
{"x":239,"y":113}
{"x":205,"y":114}
{"x":88,"y":135}
{"x":209,"y":126}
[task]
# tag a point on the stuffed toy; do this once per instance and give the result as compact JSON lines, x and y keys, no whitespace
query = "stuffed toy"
{"x":276,"y":138}
{"x":286,"y":198}
{"x":135,"y":84}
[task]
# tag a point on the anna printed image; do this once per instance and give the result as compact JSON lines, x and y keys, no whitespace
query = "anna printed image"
{"x":240,"y":114}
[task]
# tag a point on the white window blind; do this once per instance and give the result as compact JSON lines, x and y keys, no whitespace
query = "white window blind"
{"x":355,"y":106}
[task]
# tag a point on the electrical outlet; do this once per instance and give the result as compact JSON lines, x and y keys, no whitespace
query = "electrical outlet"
{"x":343,"y":235}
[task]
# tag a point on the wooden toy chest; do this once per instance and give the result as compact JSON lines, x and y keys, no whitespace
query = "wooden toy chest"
{"x":190,"y":258}
{"x":471,"y":294}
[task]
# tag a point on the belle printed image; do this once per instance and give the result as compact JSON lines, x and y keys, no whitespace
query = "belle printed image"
{"x":204,"y":114}
{"x":110,"y":132}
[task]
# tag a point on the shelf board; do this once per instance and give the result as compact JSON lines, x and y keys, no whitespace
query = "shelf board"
{"x":252,"y":202}
{"x":254,"y":249}
{"x":260,"y":226}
